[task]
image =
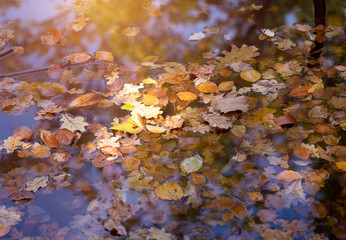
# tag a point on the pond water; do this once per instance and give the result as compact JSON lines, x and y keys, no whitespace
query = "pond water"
{"x":171,"y":119}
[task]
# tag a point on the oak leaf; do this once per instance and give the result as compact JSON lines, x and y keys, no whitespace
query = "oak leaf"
{"x":36,"y":183}
{"x":229,"y":103}
{"x":85,"y":100}
{"x":73,"y":123}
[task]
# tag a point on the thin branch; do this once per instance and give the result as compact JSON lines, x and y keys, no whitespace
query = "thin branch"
{"x":45,"y":69}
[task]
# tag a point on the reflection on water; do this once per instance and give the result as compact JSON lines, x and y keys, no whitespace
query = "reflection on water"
{"x":242,"y":143}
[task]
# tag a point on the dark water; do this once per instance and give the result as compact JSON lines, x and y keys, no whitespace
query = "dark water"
{"x":229,"y":197}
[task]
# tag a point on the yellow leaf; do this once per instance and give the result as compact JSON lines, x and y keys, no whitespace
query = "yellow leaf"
{"x":207,"y":87}
{"x":169,"y":191}
{"x":127,"y":127}
{"x":150,"y":100}
{"x":104,"y":55}
{"x":250,"y":76}
{"x":155,"y":129}
{"x":186,"y":96}
{"x":149,"y":81}
{"x":341,"y":165}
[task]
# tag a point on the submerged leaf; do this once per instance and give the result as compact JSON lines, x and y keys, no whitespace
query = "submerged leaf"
{"x":169,"y":191}
{"x":191,"y":164}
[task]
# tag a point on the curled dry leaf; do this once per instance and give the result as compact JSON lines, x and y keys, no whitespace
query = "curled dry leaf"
{"x":186,"y":96}
{"x":169,"y":191}
{"x":85,"y":100}
{"x":288,"y":176}
{"x":196,"y":36}
{"x":64,"y":136}
{"x":48,"y":139}
{"x":207,"y":87}
{"x":131,"y":31}
{"x":78,"y":57}
{"x":104,"y":55}
{"x":285,"y":120}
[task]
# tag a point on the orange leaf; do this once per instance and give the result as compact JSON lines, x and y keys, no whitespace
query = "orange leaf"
{"x":240,"y":211}
{"x":110,"y":150}
{"x":341,"y":165}
{"x":286,"y":119}
{"x":301,"y":91}
{"x":105,"y":56}
{"x":302,"y":152}
{"x":255,"y":196}
{"x":49,"y":140}
{"x":207,"y":87}
{"x":186,"y":96}
{"x":78,"y":57}
{"x":226,"y":86}
{"x":130,"y":163}
{"x":225,"y":72}
{"x":169,"y":191}
{"x":64,"y":136}
{"x":150,"y":100}
{"x":288,"y":176}
{"x":85,"y":100}
{"x":18,"y":49}
{"x":250,"y":76}
{"x":52,"y":37}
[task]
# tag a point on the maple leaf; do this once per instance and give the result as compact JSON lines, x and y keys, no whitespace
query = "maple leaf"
{"x":244,"y":53}
{"x":267,"y":86}
{"x":229,"y":103}
{"x":73,"y":123}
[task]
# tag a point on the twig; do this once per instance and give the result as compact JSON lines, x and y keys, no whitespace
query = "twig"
{"x":44,"y":69}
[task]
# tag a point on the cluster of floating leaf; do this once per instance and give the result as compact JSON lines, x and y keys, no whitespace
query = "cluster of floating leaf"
{"x":192,"y":144}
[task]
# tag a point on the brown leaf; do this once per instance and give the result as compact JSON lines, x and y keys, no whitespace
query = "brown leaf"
{"x":301,"y":91}
{"x":4,"y":229}
{"x":55,"y":71}
{"x":225,"y":72}
{"x":302,"y":152}
{"x":224,"y":203}
{"x":226,"y":86}
{"x":130,"y":163}
{"x":40,"y":152}
{"x":266,"y":215}
{"x":341,"y":165}
{"x":110,"y":150}
{"x":21,"y":195}
{"x":288,"y":176}
{"x":64,"y":136}
{"x":48,"y":139}
{"x":85,"y":100}
{"x":284,"y":120}
{"x":250,"y":76}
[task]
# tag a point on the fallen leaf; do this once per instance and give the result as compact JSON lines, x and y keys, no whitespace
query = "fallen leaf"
{"x":78,"y":57}
{"x":302,"y":27}
{"x":224,"y":203}
{"x":155,"y":129}
{"x":186,"y":96}
{"x":191,"y":164}
{"x":85,"y":100}
{"x":53,"y":37}
{"x":230,"y":102}
{"x":226,"y":86}
{"x":341,"y":165}
{"x":4,"y":229}
{"x":131,"y":31}
{"x":48,"y":139}
{"x":196,"y":36}
{"x":207,"y":87}
{"x":73,"y":123}
{"x":285,"y":120}
{"x":40,"y":151}
{"x":21,"y":196}
{"x":250,"y":76}
{"x":288,"y":176}
{"x":64,"y":136}
{"x":169,"y":191}
{"x":150,"y":100}
{"x":302,"y":152}
{"x":36,"y":183}
{"x":104,"y":55}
